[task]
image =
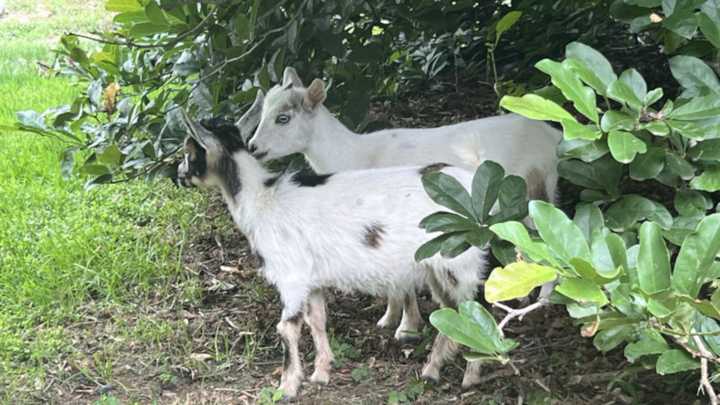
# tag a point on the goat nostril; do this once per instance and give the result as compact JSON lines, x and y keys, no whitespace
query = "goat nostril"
{"x":252,"y":148}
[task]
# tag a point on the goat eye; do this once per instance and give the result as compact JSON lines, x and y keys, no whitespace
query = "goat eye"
{"x":282,"y":119}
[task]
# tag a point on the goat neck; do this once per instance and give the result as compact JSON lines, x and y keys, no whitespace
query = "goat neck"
{"x":333,"y":147}
{"x":245,"y":205}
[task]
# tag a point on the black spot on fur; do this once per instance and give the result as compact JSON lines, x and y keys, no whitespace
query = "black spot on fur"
{"x":271,"y":181}
{"x":310,"y":180}
{"x":228,"y":171}
{"x":452,"y":279}
{"x":295,"y":318}
{"x":197,"y":161}
{"x":373,"y":235}
{"x":433,"y":168}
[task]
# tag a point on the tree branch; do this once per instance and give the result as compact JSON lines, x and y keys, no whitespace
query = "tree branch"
{"x":518,"y":313}
{"x":704,"y":380}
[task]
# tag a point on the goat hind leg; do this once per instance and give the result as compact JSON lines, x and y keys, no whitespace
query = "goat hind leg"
{"x":411,"y":322}
{"x":443,"y":350}
{"x":315,"y":316}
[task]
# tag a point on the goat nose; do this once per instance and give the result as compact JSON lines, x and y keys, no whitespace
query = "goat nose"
{"x":252,"y":147}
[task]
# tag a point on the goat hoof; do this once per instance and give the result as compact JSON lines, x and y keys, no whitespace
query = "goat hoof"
{"x":408,"y":338}
{"x":468,"y":383}
{"x":386,"y":322}
{"x":290,"y":391}
{"x":430,"y":376}
{"x":320,"y":377}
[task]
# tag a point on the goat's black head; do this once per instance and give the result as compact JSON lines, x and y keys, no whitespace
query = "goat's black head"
{"x":208,"y":154}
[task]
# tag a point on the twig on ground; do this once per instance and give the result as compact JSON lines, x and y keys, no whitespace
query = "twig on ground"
{"x":704,"y":380}
{"x":518,"y":313}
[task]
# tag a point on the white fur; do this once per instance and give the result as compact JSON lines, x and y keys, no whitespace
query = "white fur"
{"x":313,"y":238}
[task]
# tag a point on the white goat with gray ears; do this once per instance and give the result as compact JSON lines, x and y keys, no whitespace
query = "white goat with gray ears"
{"x":294,"y":120}
{"x":354,"y":231}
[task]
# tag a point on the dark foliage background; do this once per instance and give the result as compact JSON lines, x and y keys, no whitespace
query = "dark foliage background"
{"x":212,"y":56}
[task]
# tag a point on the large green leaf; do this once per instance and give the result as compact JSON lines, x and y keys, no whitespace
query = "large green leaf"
{"x":478,"y":314}
{"x":589,"y":272}
{"x":447,"y":222}
{"x":505,"y":23}
{"x":709,"y":21}
{"x":705,"y":150}
{"x":517,"y":234}
{"x":610,"y":338}
{"x":602,"y":174}
{"x":689,"y":203}
{"x":462,"y":330}
{"x":711,"y":328}
{"x":582,"y":290}
{"x":516,"y":280}
{"x":653,"y":261}
{"x":575,"y":130}
{"x":630,"y":89}
{"x":675,"y":361}
{"x":618,"y":120}
{"x":698,"y":108}
{"x":431,"y":247}
{"x":693,"y":73}
{"x":512,"y":200}
{"x":587,"y":151}
{"x":709,"y":180}
{"x":448,"y":192}
{"x":123,"y":6}
{"x":535,"y":107}
{"x":155,"y":14}
{"x":455,"y":244}
{"x":485,"y":187}
{"x":561,"y":235}
{"x":678,"y":166}
{"x":597,"y":72}
{"x":650,"y":342}
{"x":624,"y":146}
{"x":564,"y":78}
{"x":696,"y":255}
{"x":649,"y":164}
{"x":589,"y":219}
{"x":631,"y":208}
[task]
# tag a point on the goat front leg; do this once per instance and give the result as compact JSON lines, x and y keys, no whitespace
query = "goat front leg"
{"x":315,"y":315}
{"x":292,"y":374}
{"x":392,"y":313}
{"x":412,"y":322}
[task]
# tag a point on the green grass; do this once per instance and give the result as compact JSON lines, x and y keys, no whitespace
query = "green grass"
{"x":62,"y":247}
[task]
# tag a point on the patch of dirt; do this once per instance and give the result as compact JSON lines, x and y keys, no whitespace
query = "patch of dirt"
{"x":223,"y":350}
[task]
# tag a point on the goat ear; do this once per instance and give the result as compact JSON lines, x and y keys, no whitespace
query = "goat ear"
{"x":202,"y":136}
{"x":247,"y":123}
{"x":291,"y":78}
{"x":315,"y":94}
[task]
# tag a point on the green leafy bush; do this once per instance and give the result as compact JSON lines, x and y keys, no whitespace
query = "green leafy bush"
{"x":636,"y":265}
{"x":211,"y":57}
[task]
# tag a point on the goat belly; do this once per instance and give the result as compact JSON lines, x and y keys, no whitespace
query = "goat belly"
{"x":357,"y":232}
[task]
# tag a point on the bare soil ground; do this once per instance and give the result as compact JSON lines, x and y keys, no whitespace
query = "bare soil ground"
{"x":222,"y":348}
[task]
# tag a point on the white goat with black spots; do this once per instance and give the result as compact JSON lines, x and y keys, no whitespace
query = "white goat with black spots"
{"x":354,"y":231}
{"x":294,"y":120}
